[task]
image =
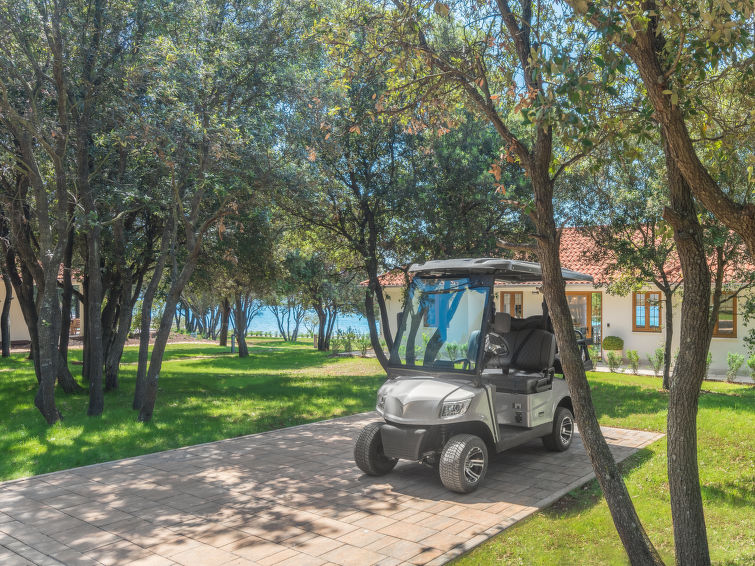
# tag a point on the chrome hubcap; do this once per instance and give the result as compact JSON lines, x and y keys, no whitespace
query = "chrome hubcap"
{"x":474,"y":464}
{"x":567,"y":428}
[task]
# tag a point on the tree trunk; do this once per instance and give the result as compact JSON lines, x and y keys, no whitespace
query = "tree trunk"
{"x":669,"y":296}
{"x":637,"y":544}
{"x":49,"y":332}
{"x":163,"y":333}
{"x":240,"y":326}
{"x":95,"y":360}
{"x":5,"y":316}
{"x":66,"y":380}
{"x":690,"y":537}
{"x":225,"y":315}
{"x":115,"y":352}
{"x":369,"y":307}
{"x":147,"y":300}
{"x":322,"y":319}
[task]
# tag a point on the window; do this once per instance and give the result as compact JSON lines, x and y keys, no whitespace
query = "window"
{"x":511,"y":303}
{"x":726,"y":321}
{"x":647,"y":312}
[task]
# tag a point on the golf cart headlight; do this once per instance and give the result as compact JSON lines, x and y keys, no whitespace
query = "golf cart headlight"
{"x":381,"y":402}
{"x":452,"y":409}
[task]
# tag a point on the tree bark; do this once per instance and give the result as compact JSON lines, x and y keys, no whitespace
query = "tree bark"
{"x":668,"y":296}
{"x":690,"y":536}
{"x":5,"y":316}
{"x":240,"y":326}
{"x":225,"y":315}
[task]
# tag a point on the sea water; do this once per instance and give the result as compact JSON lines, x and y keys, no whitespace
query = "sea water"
{"x":265,"y":322}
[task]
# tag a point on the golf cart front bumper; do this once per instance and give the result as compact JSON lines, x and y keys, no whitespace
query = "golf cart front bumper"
{"x":408,"y":442}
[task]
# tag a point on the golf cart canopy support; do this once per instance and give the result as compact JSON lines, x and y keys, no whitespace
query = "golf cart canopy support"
{"x":502,"y":269}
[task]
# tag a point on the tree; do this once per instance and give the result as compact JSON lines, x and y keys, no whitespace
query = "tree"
{"x":327,"y":289}
{"x":239,"y":268}
{"x":511,"y":59}
{"x":684,"y":53}
{"x":356,"y":171}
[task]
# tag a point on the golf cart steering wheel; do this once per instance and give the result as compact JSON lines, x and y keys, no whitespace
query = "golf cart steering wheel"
{"x":496,"y":345}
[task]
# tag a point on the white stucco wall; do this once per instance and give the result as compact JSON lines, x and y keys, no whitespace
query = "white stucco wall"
{"x":18,"y":329}
{"x":616,"y":321}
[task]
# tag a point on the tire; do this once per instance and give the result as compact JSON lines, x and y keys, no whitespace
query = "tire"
{"x":368,"y":452}
{"x":463,"y":463}
{"x":563,"y":431}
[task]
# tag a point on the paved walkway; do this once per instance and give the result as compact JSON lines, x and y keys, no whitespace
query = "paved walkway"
{"x":288,"y":497}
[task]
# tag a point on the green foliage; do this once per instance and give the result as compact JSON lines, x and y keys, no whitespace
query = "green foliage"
{"x":614,"y":361}
{"x":656,"y":360}
{"x":613,"y":343}
{"x":708,"y":361}
{"x":734,"y":361}
{"x":364,"y":343}
{"x":751,"y":365}
{"x":633,"y":358}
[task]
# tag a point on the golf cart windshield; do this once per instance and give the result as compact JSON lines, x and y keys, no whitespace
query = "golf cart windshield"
{"x":441,"y":325}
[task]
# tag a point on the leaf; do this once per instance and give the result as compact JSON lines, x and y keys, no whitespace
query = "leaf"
{"x":674,"y":99}
{"x":441,"y":9}
{"x":355,"y":129}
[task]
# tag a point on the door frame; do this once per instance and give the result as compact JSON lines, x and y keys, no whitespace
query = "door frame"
{"x":588,"y":295}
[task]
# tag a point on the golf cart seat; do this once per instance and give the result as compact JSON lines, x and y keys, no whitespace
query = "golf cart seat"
{"x":527,"y":367}
{"x":534,"y":321}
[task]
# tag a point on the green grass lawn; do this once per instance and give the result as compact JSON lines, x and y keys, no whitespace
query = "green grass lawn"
{"x":208,"y":394}
{"x":205,"y":394}
{"x":579,"y":530}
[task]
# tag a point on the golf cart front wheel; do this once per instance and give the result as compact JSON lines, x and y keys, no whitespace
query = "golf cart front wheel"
{"x":563,"y":431}
{"x":368,"y":452}
{"x":463,"y":463}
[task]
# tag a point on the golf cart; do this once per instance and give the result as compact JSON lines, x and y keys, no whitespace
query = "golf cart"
{"x":465,"y":381}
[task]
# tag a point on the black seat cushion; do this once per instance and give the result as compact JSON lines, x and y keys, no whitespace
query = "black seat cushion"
{"x":535,"y":350}
{"x":523,"y":383}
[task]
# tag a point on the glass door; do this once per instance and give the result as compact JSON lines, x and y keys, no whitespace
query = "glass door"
{"x":586,"y":312}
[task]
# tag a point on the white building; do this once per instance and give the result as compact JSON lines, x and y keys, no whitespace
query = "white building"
{"x":638,"y":318}
{"x":19,"y":332}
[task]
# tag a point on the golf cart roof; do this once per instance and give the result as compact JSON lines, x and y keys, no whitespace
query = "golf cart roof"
{"x":504,"y":269}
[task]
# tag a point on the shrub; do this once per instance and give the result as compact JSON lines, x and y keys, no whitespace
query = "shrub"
{"x":363,"y":341}
{"x":751,"y":365}
{"x":453,"y":351}
{"x":335,"y":345}
{"x":656,"y":361}
{"x":613,"y":343}
{"x":614,"y":360}
{"x":734,"y":361}
{"x":708,"y":361}
{"x":634,"y":360}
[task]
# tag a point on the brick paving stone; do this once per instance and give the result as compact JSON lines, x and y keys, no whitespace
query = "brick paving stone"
{"x":291,"y":497}
{"x":347,"y":555}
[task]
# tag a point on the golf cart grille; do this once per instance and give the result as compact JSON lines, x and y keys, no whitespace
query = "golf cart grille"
{"x":407,"y":443}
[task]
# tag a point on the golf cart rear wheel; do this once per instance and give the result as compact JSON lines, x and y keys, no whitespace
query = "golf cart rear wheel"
{"x":563,"y":431}
{"x":463,"y":463}
{"x":368,"y":452}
